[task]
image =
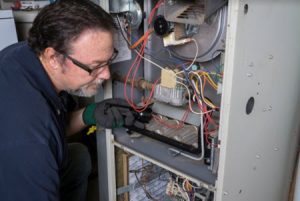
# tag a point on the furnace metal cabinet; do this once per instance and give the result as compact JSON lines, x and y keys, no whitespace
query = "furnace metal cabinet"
{"x":259,"y":121}
{"x":8,"y":33}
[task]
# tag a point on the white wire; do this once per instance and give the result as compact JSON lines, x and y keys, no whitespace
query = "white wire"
{"x":202,"y":145}
{"x":150,"y":61}
{"x":196,"y":88}
{"x":201,"y":94}
{"x":189,"y":93}
{"x":180,"y":78}
{"x":197,"y":50}
{"x":201,"y":89}
{"x":155,"y":64}
{"x":194,"y":60}
{"x":190,"y":101}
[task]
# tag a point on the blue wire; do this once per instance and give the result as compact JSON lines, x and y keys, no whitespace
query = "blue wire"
{"x":184,"y":67}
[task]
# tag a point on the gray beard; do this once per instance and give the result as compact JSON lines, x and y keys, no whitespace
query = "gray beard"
{"x":83,"y":91}
{"x":78,"y":92}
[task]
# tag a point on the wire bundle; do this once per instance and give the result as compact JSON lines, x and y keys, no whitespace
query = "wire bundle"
{"x":194,"y":81}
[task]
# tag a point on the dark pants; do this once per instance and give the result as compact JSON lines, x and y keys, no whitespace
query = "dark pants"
{"x":74,"y":179}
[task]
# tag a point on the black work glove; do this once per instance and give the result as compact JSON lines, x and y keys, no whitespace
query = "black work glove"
{"x":109,"y":113}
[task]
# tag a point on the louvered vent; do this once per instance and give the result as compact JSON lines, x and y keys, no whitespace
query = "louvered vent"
{"x":186,"y":12}
{"x":192,"y":12}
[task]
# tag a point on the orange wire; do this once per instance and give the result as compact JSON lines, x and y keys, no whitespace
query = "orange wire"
{"x":141,"y":39}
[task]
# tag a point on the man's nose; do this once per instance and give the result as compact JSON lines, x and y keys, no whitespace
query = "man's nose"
{"x":104,"y":73}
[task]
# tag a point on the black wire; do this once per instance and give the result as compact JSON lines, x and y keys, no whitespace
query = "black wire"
{"x":148,"y":195}
{"x":121,"y":30}
{"x":160,"y":174}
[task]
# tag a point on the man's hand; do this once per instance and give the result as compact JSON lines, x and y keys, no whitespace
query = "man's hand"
{"x":109,"y":113}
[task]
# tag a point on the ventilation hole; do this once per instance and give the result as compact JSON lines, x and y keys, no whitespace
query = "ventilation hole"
{"x":245,"y":9}
{"x":250,"y":105}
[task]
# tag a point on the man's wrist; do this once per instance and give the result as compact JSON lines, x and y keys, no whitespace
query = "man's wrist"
{"x":88,"y":114}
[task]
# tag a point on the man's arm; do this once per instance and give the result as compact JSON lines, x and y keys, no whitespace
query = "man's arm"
{"x":106,"y":117}
{"x":75,"y":122}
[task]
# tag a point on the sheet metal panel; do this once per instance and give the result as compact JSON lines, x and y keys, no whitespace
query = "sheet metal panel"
{"x":262,"y":61}
{"x":8,"y":34}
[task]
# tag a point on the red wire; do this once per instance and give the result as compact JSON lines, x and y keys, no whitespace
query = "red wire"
{"x":180,"y":125}
{"x":208,"y":120}
{"x":203,"y":108}
{"x":148,"y":101}
{"x":126,"y":80}
{"x":137,"y":67}
{"x":136,"y":64}
{"x":207,"y":132}
{"x":153,"y":11}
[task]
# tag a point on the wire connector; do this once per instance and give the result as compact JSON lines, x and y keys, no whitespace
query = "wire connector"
{"x":168,"y":78}
{"x":170,"y":40}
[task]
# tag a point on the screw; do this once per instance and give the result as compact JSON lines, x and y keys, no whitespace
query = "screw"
{"x":171,"y":2}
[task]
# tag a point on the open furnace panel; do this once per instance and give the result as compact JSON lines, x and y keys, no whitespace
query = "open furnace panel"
{"x":177,"y":71}
{"x":210,"y":125}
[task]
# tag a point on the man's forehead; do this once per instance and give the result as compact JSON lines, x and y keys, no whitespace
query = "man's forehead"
{"x":94,"y":42}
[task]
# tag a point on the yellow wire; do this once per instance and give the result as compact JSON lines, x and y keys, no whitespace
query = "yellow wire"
{"x":202,"y":91}
{"x":214,"y":85}
{"x":209,"y":79}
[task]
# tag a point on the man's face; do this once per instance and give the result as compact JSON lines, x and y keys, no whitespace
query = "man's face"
{"x":86,"y":67}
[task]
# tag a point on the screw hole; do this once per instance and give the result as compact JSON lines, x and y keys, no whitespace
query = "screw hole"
{"x":246,"y":9}
{"x":249,"y":105}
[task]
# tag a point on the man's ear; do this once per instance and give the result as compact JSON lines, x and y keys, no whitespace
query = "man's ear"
{"x":50,"y":55}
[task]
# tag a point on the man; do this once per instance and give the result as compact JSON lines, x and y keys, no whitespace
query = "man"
{"x":70,"y":47}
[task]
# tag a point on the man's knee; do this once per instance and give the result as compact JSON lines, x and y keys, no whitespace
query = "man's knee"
{"x":80,"y":159}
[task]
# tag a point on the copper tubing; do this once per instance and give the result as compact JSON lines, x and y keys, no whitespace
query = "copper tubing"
{"x":138,"y":83}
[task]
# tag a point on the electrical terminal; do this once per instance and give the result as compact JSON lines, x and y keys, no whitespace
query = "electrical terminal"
{"x":170,"y":40}
{"x":174,"y":190}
